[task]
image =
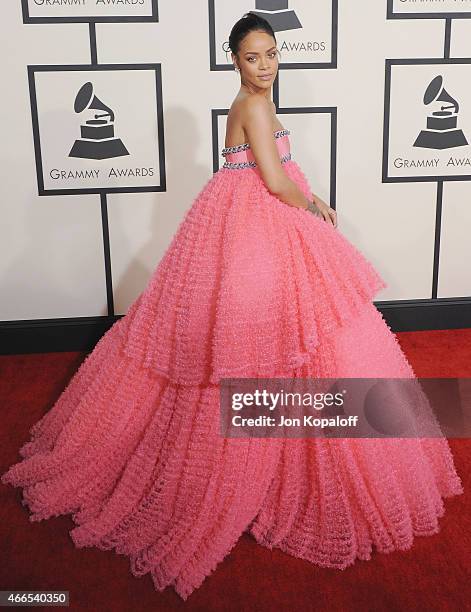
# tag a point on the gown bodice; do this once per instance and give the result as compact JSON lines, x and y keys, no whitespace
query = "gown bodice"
{"x":241,"y":156}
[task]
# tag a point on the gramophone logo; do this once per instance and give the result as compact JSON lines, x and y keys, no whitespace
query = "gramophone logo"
{"x":86,"y":137}
{"x":279,"y":16}
{"x":442,"y":131}
{"x":97,"y":139}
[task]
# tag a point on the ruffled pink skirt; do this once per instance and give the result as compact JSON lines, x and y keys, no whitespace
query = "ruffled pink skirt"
{"x":249,"y":287}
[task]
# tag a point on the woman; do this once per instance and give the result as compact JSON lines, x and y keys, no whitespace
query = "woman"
{"x":257,"y":282}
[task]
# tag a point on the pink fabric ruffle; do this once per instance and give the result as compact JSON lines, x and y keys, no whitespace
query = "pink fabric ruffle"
{"x":131,"y":449}
{"x":247,"y":287}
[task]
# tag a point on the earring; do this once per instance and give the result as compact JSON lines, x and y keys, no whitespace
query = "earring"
{"x":236,"y":69}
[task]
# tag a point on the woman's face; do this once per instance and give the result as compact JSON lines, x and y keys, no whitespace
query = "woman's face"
{"x":258,"y":60}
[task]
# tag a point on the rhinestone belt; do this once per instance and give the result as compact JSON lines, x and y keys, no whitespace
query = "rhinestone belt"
{"x":246,"y":145}
{"x":251,"y":164}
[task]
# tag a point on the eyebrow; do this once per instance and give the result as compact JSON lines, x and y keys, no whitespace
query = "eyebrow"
{"x":255,"y":52}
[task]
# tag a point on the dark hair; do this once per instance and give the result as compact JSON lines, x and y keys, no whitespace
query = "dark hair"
{"x":249,"y":22}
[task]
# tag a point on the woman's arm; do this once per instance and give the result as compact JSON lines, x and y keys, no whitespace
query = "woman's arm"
{"x":257,"y":123}
{"x":256,"y":117}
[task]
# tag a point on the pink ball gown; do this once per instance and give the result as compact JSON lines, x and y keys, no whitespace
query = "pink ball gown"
{"x":248,"y":287}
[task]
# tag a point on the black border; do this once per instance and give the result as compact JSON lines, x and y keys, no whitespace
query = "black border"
{"x":390,"y":14}
{"x":32,"y":69}
{"x":282,"y":65}
{"x":82,"y":333}
{"x":387,"y":106}
{"x":154,"y":16}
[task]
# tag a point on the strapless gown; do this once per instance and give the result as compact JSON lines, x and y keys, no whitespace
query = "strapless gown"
{"x":248,"y":287}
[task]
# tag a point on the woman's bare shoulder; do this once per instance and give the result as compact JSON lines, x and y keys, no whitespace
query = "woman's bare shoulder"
{"x":254,"y":103}
{"x":253,"y":106}
{"x":248,"y":109}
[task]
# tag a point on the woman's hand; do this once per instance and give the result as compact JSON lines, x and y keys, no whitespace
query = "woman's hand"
{"x":328,"y":213}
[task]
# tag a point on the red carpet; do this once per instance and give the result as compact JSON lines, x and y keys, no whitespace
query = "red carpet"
{"x":433,"y":575}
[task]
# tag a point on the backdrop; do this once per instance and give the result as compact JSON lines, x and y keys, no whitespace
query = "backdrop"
{"x":114,"y":116}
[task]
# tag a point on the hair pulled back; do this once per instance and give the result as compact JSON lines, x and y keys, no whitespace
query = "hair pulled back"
{"x":249,"y":22}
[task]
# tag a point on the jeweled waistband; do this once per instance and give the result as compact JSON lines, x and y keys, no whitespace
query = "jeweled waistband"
{"x":246,"y":145}
{"x":251,"y":164}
